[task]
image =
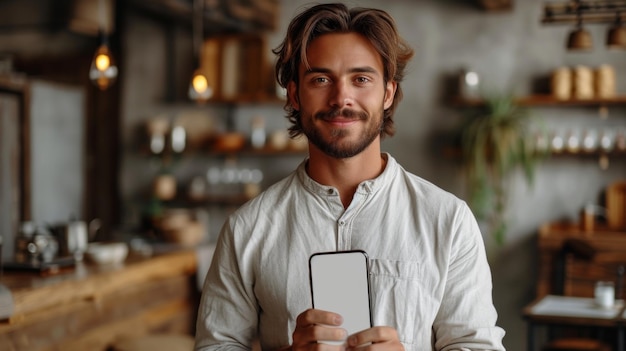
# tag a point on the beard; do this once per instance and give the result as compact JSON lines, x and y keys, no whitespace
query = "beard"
{"x":336,"y":146}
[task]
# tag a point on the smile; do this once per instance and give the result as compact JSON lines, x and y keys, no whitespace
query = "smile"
{"x":341,"y":117}
{"x":341,"y":122}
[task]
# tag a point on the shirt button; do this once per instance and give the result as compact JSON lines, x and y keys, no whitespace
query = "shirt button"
{"x":342,"y":222}
{"x":331,"y":192}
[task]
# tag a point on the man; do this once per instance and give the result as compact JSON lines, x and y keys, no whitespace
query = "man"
{"x":429,"y":278}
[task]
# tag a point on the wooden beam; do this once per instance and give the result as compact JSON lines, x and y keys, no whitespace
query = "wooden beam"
{"x":219,"y":16}
{"x":496,"y":5}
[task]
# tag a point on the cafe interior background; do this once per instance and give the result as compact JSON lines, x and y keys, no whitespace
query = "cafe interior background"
{"x":141,"y":159}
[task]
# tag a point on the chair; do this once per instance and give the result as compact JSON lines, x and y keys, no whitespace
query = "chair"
{"x":581,"y":267}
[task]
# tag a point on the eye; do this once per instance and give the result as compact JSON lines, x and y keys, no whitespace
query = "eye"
{"x":320,"y":80}
{"x":362,"y":80}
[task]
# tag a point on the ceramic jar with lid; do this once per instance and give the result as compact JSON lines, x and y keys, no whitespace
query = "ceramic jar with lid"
{"x":605,"y":81}
{"x":583,"y":83}
{"x":561,"y":83}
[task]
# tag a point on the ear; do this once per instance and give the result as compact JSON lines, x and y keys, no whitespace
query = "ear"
{"x":292,"y":95}
{"x":390,"y":94}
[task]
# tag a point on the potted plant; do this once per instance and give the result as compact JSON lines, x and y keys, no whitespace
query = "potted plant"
{"x":495,"y":141}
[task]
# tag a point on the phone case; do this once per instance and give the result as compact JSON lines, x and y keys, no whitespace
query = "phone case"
{"x":340,"y":283}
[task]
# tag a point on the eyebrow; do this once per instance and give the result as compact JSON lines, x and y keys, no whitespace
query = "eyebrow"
{"x":364,"y":69}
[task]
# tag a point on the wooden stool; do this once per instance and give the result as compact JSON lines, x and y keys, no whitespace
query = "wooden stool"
{"x":157,"y":342}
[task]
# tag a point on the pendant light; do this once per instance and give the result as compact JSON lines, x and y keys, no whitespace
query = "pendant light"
{"x":579,"y":39}
{"x":103,"y":70}
{"x":590,"y":12}
{"x":616,"y":36}
{"x":199,"y":89}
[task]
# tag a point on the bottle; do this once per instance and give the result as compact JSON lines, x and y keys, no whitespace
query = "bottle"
{"x":587,"y":218}
{"x":258,"y":135}
{"x":572,"y":142}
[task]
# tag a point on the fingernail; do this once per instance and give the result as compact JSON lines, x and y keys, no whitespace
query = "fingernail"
{"x":352,"y":340}
{"x":345,"y":334}
{"x":338,"y":320}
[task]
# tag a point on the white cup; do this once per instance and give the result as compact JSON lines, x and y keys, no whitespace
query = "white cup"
{"x":605,"y":294}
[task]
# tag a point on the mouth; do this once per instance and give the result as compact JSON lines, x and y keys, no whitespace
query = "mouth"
{"x":341,"y":123}
{"x":341,"y":117}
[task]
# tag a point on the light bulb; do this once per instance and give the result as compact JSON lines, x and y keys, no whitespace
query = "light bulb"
{"x":102,"y":62}
{"x":199,"y":83}
{"x":103,"y":70}
{"x":199,"y":88}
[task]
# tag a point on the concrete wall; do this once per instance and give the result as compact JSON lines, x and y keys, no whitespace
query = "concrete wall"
{"x":510,"y":51}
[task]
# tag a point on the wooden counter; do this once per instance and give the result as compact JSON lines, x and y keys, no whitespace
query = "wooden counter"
{"x":90,"y":307}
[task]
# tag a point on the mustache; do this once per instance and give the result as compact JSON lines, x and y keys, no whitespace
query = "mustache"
{"x":345,"y":113}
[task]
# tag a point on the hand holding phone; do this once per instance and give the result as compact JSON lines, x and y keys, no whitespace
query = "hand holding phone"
{"x":340,"y":284}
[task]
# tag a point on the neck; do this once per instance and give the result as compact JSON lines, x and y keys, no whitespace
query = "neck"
{"x":347,"y":173}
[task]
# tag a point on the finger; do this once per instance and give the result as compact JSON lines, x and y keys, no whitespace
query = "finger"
{"x":314,"y":316}
{"x":381,"y":346}
{"x":325,"y":347}
{"x":315,"y":333}
{"x":313,"y":325}
{"x":374,"y":335}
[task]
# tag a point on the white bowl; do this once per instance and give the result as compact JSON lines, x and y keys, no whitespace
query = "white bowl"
{"x":107,"y":253}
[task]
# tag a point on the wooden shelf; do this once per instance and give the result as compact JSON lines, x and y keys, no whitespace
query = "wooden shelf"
{"x":264,"y":152}
{"x":613,"y":153}
{"x":456,"y":152}
{"x":259,"y":99}
{"x":245,"y":152}
{"x":219,"y":200}
{"x":547,"y":100}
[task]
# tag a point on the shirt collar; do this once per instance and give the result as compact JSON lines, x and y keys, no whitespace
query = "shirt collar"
{"x":369,"y":186}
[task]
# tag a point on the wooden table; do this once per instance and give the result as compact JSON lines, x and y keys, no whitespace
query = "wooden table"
{"x":574,"y":311}
{"x":91,"y":307}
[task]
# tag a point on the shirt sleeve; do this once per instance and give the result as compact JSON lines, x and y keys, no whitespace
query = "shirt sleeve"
{"x":227,"y":314}
{"x":467,"y":317}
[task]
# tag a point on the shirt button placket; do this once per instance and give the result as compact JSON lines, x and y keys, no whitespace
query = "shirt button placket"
{"x":344,"y":237}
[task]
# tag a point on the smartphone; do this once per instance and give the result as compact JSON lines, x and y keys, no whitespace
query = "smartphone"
{"x":340,"y":284}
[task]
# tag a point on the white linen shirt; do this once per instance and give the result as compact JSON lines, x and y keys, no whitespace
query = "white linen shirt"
{"x":429,"y":276}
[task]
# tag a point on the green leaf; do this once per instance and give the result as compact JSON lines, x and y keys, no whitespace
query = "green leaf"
{"x":495,"y":143}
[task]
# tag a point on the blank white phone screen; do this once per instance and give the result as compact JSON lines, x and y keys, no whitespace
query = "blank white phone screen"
{"x":340,"y":284}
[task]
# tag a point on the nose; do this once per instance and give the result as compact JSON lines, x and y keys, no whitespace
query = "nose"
{"x":341,"y":95}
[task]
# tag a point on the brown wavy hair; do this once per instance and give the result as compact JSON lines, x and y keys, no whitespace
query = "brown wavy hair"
{"x":374,"y":24}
